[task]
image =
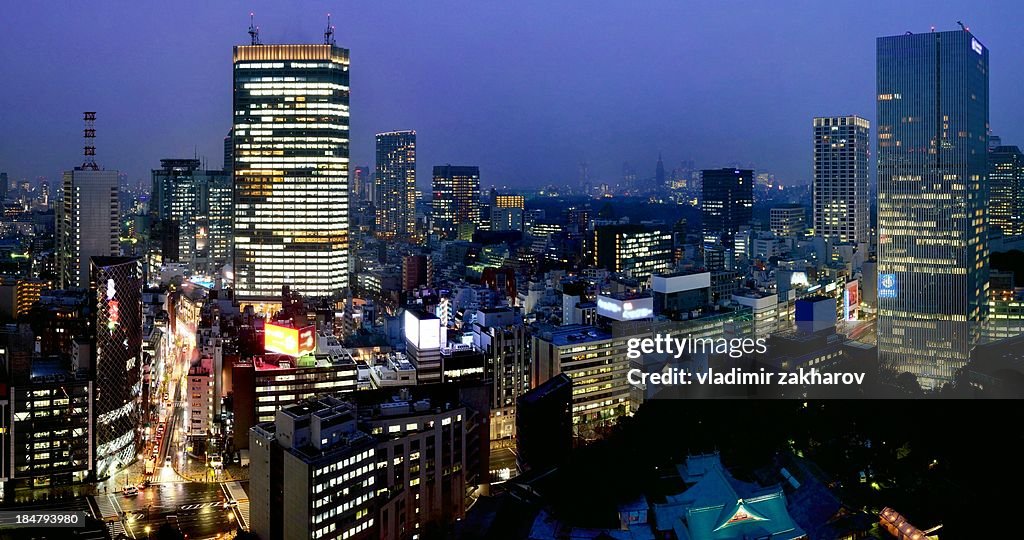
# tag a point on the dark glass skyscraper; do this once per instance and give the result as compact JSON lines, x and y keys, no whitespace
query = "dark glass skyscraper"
{"x":932,"y":202}
{"x":728,"y":203}
{"x":290,"y":163}
{"x":1006,"y":190}
{"x":395,"y":183}
{"x":456,"y":198}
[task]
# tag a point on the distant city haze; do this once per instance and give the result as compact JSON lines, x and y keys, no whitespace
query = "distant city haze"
{"x":525,"y":90}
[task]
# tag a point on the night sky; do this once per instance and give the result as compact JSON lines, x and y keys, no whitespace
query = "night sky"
{"x":526,"y":90}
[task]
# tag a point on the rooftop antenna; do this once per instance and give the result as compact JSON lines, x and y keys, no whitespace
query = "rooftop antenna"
{"x":962,"y":27}
{"x":254,"y":31}
{"x":89,"y":135}
{"x":329,"y":32}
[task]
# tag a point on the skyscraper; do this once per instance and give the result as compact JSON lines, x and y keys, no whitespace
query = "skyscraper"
{"x":395,"y":183}
{"x":188,"y":205}
{"x":728,"y":203}
{"x":456,"y":198}
{"x":88,"y":219}
{"x":290,"y":164}
{"x":932,"y":202}
{"x":1006,"y":182}
{"x":841,"y":149}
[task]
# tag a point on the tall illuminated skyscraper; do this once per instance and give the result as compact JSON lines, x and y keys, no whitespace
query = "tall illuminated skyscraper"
{"x":841,"y":149}
{"x":456,"y":198}
{"x":932,"y":202}
{"x":1006,"y":190}
{"x":290,"y":165}
{"x":395,"y":183}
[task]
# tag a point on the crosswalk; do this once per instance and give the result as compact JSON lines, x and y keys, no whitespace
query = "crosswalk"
{"x":109,"y":511}
{"x":235,"y":492}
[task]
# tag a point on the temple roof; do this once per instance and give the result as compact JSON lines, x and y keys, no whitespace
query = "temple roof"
{"x":718,"y":507}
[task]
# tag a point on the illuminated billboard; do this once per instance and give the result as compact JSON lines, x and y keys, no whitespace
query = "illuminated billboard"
{"x":851,"y":300}
{"x":422,"y":330}
{"x":625,"y":310}
{"x":289,"y":341}
{"x":888,"y":286}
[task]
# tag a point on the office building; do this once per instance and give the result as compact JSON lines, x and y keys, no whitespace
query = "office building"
{"x":380,"y":466}
{"x":88,"y":222}
{"x":267,"y":383}
{"x":727,"y":203}
{"x":199,"y":410}
{"x":191,"y":208}
{"x":51,"y":417}
{"x":456,"y":199}
{"x":788,"y":220}
{"x":116,"y":289}
{"x":932,"y":202}
{"x":395,"y":181}
{"x":634,"y":250}
{"x":597,"y":364}
{"x":840,"y":192}
{"x":1006,"y":190}
{"x":312,"y":474}
{"x":505,"y":341}
{"x":290,"y":166}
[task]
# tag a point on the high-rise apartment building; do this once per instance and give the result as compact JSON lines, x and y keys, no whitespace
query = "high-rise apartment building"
{"x":841,"y":150}
{"x":635,"y":250}
{"x":932,"y":202}
{"x":1006,"y":190}
{"x":456,"y":198}
{"x":395,"y":183}
{"x":290,"y":165}
{"x":727,"y":203}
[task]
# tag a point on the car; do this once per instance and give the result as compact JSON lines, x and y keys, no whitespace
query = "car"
{"x":230,"y":504}
{"x":130,"y":491}
{"x":169,"y":460}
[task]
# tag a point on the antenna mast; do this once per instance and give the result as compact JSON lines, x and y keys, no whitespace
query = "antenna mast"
{"x":89,"y":136}
{"x":254,"y":31}
{"x":329,"y":32}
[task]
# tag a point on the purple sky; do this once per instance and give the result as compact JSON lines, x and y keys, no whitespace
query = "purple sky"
{"x":526,"y":90}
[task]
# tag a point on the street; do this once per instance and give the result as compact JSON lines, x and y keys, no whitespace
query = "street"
{"x":197,"y":508}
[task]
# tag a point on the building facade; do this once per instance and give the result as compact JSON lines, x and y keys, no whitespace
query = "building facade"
{"x":290,"y":166}
{"x":840,"y":191}
{"x":932,"y":202}
{"x":505,"y":342}
{"x":1006,"y":190}
{"x":727,"y":203}
{"x":788,"y":220}
{"x":395,"y":183}
{"x":635,"y":250}
{"x":117,"y":292}
{"x":88,"y":223}
{"x":456,"y":198}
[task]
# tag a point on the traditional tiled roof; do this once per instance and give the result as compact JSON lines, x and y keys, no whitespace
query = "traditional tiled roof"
{"x":718,"y":507}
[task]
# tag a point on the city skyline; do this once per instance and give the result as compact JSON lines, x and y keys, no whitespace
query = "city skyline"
{"x":548,"y":91}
